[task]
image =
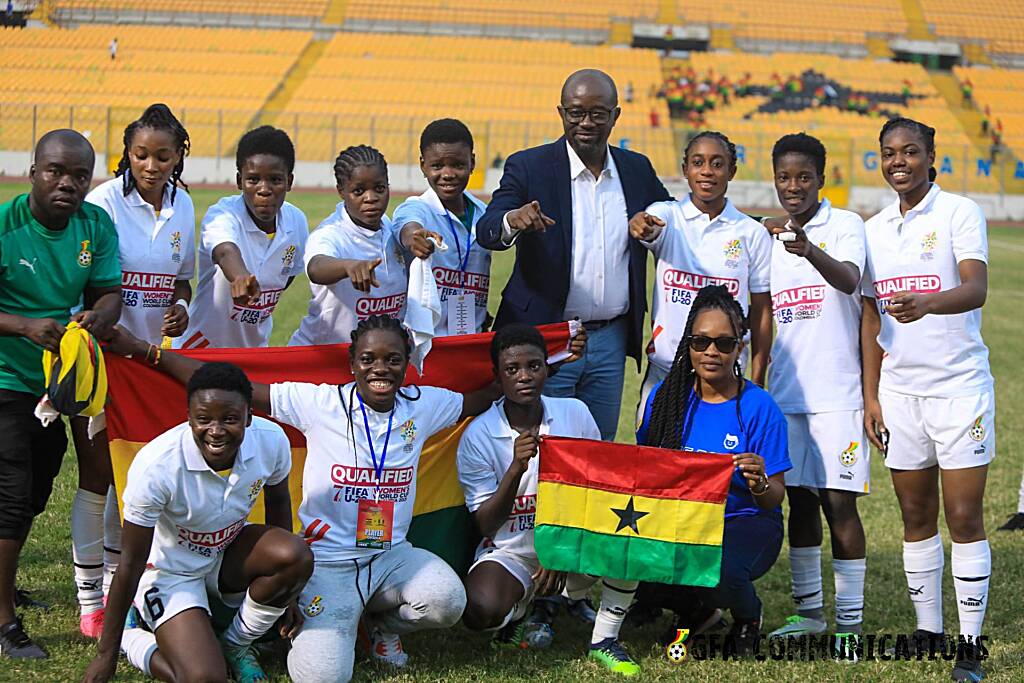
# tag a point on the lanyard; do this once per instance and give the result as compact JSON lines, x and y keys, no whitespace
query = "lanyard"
{"x":378,"y":470}
{"x":463,"y":260}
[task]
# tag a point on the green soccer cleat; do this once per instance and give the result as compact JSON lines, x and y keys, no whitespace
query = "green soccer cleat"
{"x":798,"y":625}
{"x":242,"y":663}
{"x":610,"y":654}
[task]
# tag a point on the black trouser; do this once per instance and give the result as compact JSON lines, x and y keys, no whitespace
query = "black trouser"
{"x":30,"y":459}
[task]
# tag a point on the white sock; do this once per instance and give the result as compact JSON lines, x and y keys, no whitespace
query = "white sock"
{"x":616,"y":597}
{"x":1020,"y":497}
{"x":111,"y":539}
{"x":972,"y":568}
{"x":923,"y":562}
{"x":849,"y":578}
{"x":251,"y":621}
{"x":138,"y":645}
{"x":87,"y":548}
{"x":805,"y":578}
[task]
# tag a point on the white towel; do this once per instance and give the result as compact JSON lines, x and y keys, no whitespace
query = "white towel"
{"x":423,"y":306}
{"x":46,"y":414}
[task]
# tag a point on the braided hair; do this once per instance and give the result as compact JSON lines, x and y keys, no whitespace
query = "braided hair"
{"x":374,"y":322}
{"x":926,"y":133}
{"x":352,"y":158}
{"x":672,"y":412}
{"x":158,"y":117}
{"x":715,"y":135}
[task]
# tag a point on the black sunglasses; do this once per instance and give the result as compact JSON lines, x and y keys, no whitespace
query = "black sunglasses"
{"x":701,"y":343}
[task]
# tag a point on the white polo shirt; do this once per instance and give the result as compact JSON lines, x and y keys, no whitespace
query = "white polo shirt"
{"x":156,"y":252}
{"x":194,"y":511}
{"x":214,"y":319}
{"x":815,"y":366}
{"x":485,"y":454}
{"x":938,"y":356}
{"x":454,"y":271}
{"x":335,"y":310}
{"x":694,"y":251}
{"x":339,"y":469}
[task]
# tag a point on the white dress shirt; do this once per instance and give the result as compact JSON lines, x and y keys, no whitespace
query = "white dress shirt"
{"x":599,"y":285}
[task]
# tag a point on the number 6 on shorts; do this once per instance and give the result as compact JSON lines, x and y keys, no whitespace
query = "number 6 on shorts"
{"x":154,"y":605}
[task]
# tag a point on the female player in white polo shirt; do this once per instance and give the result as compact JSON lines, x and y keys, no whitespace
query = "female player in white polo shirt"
{"x":353,"y":259}
{"x":814,"y":378}
{"x":463,"y":271}
{"x":188,"y":495}
{"x":498,"y":471}
{"x":363,"y":441}
{"x":704,"y":240}
{"x":155,"y":224}
{"x":929,"y":402}
{"x":250,"y":248}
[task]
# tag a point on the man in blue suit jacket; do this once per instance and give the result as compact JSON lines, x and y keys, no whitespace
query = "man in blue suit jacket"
{"x":566,"y":206}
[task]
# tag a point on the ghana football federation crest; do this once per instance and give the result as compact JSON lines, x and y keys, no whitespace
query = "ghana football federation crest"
{"x":84,"y":255}
{"x":977,"y":431}
{"x":315,"y":607}
{"x":849,"y":456}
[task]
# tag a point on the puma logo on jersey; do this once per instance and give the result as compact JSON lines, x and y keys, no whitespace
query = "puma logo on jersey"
{"x":30,"y":266}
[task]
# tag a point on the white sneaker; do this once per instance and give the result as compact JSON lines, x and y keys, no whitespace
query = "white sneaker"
{"x":798,"y":625}
{"x":387,"y":648}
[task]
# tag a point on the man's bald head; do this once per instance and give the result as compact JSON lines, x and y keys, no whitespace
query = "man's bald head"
{"x":64,"y":141}
{"x":590,"y":82}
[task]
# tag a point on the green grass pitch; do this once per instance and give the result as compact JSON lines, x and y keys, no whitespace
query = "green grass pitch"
{"x":460,"y":656}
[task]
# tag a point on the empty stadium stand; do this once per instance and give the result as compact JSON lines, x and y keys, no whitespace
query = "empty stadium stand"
{"x":216,"y":79}
{"x":998,"y":23}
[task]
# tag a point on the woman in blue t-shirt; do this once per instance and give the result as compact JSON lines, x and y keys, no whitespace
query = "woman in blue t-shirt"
{"x":706,"y":405}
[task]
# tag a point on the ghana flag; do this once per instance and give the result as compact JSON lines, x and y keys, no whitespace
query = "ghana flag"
{"x":144,"y":403}
{"x":631,"y":512}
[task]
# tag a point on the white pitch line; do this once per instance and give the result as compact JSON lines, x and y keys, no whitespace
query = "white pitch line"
{"x":1007,"y":245}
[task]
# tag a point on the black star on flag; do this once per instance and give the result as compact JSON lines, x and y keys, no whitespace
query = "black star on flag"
{"x":629,"y":517}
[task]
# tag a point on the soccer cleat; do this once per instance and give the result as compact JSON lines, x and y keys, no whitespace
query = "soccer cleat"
{"x":610,"y":654}
{"x":1014,"y":523}
{"x":582,"y":609}
{"x":242,"y":663}
{"x":745,"y":636}
{"x":524,"y":635}
{"x":15,"y":643}
{"x":967,"y":669}
{"x":387,"y":648}
{"x":91,"y":625}
{"x":23,"y":598}
{"x":545,"y":609}
{"x":846,"y":647}
{"x":799,"y":625}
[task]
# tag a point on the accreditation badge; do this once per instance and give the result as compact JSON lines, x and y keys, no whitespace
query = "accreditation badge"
{"x":461,"y":313}
{"x":374,"y":523}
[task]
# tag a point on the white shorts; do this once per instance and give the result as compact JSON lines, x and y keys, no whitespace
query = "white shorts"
{"x":953,"y":433}
{"x":163,"y":595}
{"x":520,"y":566}
{"x":829,"y":451}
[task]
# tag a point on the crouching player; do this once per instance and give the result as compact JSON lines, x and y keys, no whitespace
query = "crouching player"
{"x":497,"y":466}
{"x":188,"y":495}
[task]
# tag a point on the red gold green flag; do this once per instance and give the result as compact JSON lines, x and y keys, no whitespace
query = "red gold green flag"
{"x":144,"y":403}
{"x":631,"y":512}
